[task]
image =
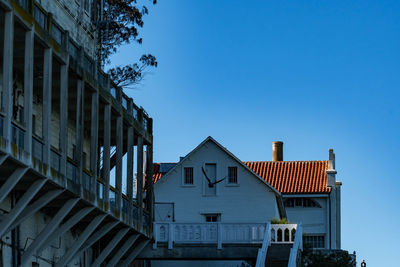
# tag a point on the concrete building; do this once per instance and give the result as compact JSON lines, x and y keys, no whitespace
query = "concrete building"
{"x":70,"y":143}
{"x":249,"y":193}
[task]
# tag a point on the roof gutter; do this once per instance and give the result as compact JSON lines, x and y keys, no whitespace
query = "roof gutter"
{"x":281,"y":207}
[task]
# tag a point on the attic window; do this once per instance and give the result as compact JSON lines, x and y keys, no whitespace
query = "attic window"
{"x":232,"y":175}
{"x":188,"y":176}
{"x":301,"y":202}
{"x":212,"y":217}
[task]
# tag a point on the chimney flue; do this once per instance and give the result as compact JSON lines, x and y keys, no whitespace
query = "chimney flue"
{"x":277,"y":151}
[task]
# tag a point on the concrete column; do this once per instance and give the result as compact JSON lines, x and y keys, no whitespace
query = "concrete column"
{"x":139,"y":177}
{"x":129,"y":174}
{"x":79,"y":128}
{"x":118,"y":167}
{"x":28,"y":89}
{"x":64,"y":116}
{"x":106,"y":153}
{"x":94,"y":130}
{"x":8,"y":72}
{"x":149,"y":182}
{"x":47,"y":88}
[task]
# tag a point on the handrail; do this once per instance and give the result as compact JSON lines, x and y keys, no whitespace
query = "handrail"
{"x":298,"y":245}
{"x":262,"y":252}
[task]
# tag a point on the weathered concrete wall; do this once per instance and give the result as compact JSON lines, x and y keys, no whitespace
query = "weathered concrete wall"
{"x":234,"y":203}
{"x":29,"y":229}
{"x":72,"y":17}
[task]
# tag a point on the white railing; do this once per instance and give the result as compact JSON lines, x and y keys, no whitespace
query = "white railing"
{"x":283,"y":233}
{"x":222,"y":233}
{"x":262,"y":252}
{"x":298,"y":245}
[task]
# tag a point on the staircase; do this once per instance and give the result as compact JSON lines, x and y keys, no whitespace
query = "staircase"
{"x":278,"y":255}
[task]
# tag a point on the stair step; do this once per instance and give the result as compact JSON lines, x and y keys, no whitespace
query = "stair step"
{"x":278,"y":255}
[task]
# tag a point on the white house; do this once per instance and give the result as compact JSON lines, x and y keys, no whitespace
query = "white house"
{"x":243,"y":192}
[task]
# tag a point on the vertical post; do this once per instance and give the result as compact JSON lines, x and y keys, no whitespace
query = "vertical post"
{"x":28,"y":89}
{"x":139,"y":178}
{"x":170,"y":235}
{"x":47,"y":74}
{"x":118,"y":167}
{"x":129,"y":167}
{"x":149,"y":182}
{"x":79,"y":129}
{"x":219,"y":238}
{"x":8,"y":72}
{"x":94,"y":130}
{"x":106,"y":153}
{"x":64,"y":116}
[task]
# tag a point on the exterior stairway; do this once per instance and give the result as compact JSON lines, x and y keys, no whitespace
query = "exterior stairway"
{"x":278,"y":255}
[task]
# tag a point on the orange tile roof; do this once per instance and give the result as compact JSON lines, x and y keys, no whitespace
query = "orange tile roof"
{"x":156,"y":172}
{"x":293,"y":177}
{"x":288,"y":177}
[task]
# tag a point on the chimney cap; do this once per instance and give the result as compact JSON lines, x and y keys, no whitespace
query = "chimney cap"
{"x":277,"y":151}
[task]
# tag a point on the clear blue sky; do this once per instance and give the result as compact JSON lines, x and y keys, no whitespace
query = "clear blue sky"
{"x":314,"y":74}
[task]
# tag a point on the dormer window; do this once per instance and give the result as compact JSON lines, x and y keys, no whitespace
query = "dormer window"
{"x":232,"y":175}
{"x":188,"y":176}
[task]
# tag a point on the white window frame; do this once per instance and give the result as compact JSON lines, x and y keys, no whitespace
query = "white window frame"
{"x":317,"y":235}
{"x":205,"y":183}
{"x":227,"y":183}
{"x":183,"y":176}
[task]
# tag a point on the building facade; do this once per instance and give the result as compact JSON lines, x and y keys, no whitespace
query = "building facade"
{"x":69,"y":143}
{"x":249,"y":192}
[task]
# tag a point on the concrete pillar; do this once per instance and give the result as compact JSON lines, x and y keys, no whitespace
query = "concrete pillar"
{"x":28,"y":89}
{"x":94,"y":130}
{"x":64,"y":116}
{"x":106,"y":153}
{"x":8,"y":72}
{"x":139,"y":177}
{"x":129,"y":174}
{"x":79,"y":128}
{"x":47,"y":88}
{"x":118,"y":167}
{"x":149,"y":182}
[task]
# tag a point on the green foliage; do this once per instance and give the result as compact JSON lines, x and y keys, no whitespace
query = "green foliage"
{"x":279,"y":221}
{"x":121,"y":21}
{"x":316,"y":258}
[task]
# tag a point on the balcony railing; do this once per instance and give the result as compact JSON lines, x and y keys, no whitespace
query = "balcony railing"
{"x":222,"y":233}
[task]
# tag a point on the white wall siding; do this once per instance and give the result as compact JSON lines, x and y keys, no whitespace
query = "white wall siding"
{"x":313,"y":219}
{"x":234,"y":203}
